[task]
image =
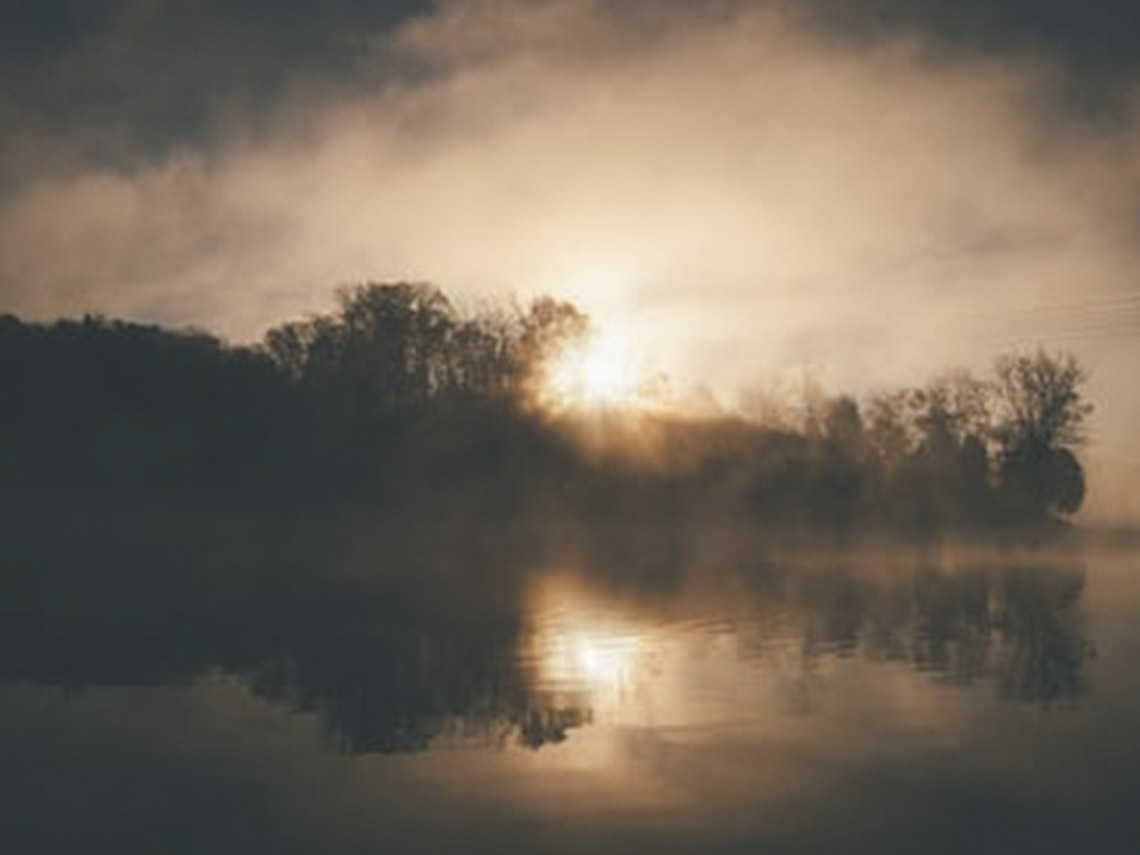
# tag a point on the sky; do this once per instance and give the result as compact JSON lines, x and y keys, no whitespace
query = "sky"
{"x":872,"y":190}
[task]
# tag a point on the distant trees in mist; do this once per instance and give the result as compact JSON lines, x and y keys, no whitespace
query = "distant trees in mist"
{"x":401,"y":402}
{"x":966,"y":449}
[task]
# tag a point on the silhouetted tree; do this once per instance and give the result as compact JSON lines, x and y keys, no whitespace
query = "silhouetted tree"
{"x":400,"y":400}
{"x":1042,"y":415}
{"x":1040,"y":399}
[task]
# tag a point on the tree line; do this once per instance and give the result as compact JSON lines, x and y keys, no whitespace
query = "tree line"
{"x":400,"y":402}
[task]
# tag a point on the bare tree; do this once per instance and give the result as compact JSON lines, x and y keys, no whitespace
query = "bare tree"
{"x":1040,"y":401}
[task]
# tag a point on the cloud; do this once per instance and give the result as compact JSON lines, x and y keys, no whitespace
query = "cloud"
{"x":740,"y":191}
{"x":111,"y":82}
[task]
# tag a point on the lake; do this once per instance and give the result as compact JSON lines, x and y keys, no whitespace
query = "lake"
{"x":932,"y":698}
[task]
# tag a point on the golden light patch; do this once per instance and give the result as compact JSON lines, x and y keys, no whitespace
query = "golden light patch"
{"x":600,"y":372}
{"x":581,"y":649}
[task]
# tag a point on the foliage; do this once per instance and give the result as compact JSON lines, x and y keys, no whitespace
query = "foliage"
{"x":1043,"y":417}
{"x":394,"y":346}
{"x":402,"y":402}
{"x":1041,"y":401}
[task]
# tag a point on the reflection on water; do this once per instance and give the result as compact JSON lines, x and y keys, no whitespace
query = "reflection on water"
{"x":793,"y":702}
{"x":389,"y":676}
{"x":577,"y":648}
{"x":1019,"y":629}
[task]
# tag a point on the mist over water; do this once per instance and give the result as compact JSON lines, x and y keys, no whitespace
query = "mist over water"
{"x":614,"y":691}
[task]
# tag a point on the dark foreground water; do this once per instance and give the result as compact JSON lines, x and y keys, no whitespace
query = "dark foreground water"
{"x":907,"y":701}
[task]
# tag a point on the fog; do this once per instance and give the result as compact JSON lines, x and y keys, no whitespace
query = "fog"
{"x":739,"y":191}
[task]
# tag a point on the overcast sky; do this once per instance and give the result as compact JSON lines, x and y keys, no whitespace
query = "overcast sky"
{"x":876,"y":188}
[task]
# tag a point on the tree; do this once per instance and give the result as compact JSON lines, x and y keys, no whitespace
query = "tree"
{"x":385,"y":348}
{"x":1042,"y":416}
{"x":953,"y":408}
{"x":550,"y":325}
{"x":548,"y":328}
{"x":1040,"y":399}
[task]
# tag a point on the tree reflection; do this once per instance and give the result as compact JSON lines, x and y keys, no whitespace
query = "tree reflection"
{"x":394,"y":667}
{"x":1037,"y":621}
{"x":1019,"y":624}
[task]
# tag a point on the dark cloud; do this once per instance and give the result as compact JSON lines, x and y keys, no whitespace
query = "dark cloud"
{"x":110,"y":80}
{"x":1092,"y":48}
{"x":1098,"y":37}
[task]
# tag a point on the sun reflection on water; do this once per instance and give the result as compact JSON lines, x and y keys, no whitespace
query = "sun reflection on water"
{"x":581,"y":650}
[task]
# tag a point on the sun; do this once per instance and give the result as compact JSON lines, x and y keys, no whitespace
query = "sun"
{"x":599,"y":372}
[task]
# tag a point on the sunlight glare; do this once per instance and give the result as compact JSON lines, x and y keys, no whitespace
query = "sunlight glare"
{"x":582,"y":650}
{"x":601,"y":372}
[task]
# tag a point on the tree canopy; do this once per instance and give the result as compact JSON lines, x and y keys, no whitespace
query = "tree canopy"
{"x":403,"y":400}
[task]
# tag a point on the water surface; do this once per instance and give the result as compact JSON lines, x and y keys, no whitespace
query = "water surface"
{"x":932,"y":700}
